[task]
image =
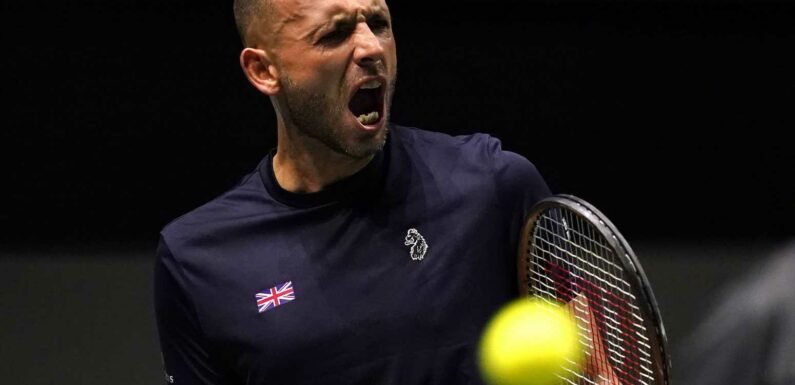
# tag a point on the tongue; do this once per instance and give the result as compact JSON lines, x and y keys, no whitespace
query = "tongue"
{"x":364,"y":102}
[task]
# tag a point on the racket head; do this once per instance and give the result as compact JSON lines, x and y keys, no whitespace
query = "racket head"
{"x":569,"y":252}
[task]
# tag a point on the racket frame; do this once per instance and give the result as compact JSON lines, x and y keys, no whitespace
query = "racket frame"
{"x":625,"y":254}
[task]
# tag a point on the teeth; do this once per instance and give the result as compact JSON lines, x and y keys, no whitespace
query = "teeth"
{"x":368,"y":118}
{"x":371,"y":84}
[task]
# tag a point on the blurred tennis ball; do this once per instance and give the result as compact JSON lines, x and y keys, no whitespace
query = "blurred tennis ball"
{"x":529,"y":342}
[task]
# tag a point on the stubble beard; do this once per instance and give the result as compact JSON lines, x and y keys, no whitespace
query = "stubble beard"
{"x":320,"y":116}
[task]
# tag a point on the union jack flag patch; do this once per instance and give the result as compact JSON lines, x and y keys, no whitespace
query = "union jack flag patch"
{"x":275,"y":296}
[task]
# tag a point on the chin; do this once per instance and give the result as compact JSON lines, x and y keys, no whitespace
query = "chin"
{"x":367,"y":146}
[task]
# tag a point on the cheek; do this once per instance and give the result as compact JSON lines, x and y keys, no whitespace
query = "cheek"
{"x":390,"y":52}
{"x":322,"y":73}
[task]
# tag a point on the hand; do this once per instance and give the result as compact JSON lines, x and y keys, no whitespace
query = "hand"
{"x":597,"y":366}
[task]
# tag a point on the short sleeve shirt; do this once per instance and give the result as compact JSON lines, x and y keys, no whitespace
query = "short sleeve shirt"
{"x":386,"y":277}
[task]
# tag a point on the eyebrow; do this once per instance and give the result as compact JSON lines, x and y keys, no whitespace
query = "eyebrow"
{"x":342,"y":22}
{"x":341,"y":19}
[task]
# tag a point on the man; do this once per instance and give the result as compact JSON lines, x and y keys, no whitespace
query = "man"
{"x":358,"y":251}
{"x":747,"y":337}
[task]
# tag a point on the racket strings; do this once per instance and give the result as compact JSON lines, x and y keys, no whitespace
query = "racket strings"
{"x":611,"y":328}
{"x":569,"y":260}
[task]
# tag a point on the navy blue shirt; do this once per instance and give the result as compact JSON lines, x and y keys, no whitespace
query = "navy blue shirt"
{"x":387,"y":277}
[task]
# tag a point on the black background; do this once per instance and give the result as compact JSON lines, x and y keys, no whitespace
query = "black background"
{"x":671,"y":117}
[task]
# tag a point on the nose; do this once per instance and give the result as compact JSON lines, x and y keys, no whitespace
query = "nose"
{"x":368,"y":51}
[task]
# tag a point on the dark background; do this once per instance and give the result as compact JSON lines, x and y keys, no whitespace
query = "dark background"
{"x":672,"y":117}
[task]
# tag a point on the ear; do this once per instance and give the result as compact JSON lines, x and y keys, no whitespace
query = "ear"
{"x":260,"y":70}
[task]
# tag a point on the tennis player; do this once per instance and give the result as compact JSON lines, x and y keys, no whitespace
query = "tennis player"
{"x":358,"y":251}
{"x":747,"y":335}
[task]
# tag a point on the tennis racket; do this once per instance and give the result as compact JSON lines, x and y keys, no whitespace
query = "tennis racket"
{"x":571,"y":253}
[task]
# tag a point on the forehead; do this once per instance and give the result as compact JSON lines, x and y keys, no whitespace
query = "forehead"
{"x":324,"y":10}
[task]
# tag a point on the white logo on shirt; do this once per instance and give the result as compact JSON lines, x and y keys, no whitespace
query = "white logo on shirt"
{"x":169,"y":379}
{"x":418,"y":245}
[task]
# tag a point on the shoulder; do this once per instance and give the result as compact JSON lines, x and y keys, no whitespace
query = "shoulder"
{"x":224,"y":213}
{"x":443,"y":149}
{"x":478,"y":152}
{"x":422,"y":140}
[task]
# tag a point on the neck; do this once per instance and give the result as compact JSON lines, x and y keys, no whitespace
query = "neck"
{"x":306,"y":165}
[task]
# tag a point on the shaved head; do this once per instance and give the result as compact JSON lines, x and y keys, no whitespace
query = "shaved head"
{"x":250,"y":12}
{"x":329,"y":68}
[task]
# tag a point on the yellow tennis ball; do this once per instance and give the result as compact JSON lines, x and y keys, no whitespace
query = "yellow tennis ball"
{"x":529,"y":342}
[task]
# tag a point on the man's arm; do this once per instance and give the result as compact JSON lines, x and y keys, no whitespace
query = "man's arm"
{"x":597,"y":366}
{"x":187,"y":355}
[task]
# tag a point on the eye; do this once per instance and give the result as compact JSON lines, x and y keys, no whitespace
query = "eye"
{"x":378,"y":23}
{"x":336,"y":36}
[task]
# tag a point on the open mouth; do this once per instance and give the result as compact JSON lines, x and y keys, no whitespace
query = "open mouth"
{"x":367,"y":104}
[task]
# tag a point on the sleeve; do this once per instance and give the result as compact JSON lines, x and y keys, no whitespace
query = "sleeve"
{"x":519,"y":182}
{"x":186,"y":352}
{"x":519,"y":186}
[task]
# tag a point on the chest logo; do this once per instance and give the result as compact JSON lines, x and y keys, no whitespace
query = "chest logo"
{"x":418,"y":245}
{"x":275,"y":296}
